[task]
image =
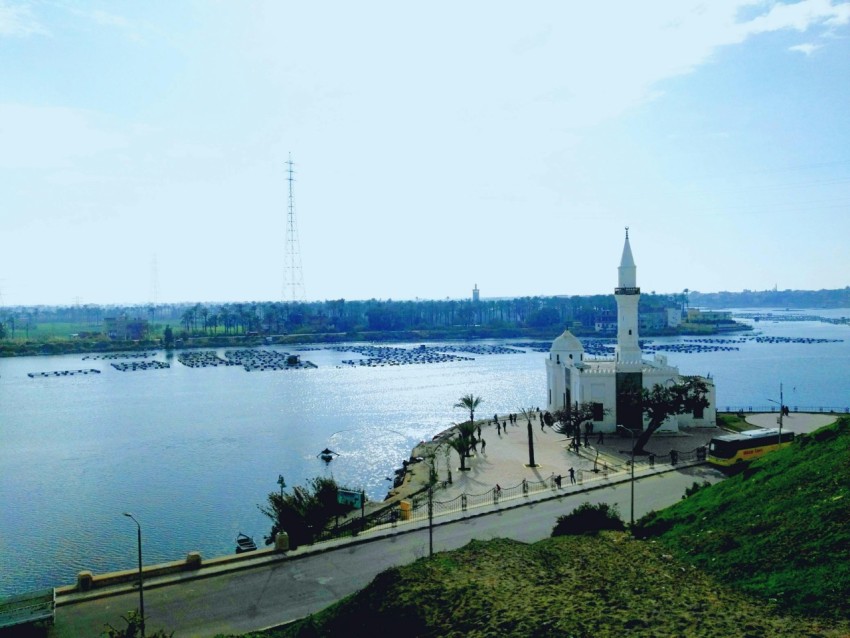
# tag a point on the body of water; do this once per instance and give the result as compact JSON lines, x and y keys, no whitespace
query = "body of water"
{"x":192,"y":452}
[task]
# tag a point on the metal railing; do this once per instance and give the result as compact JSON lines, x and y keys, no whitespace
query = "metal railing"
{"x":394,"y":515}
{"x":794,"y":408}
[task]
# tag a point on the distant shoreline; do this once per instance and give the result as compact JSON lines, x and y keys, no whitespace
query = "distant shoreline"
{"x":93,"y":346}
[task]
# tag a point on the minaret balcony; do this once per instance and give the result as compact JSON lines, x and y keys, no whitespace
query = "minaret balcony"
{"x":627,"y":291}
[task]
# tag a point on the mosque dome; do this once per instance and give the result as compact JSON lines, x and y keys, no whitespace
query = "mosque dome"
{"x":567,"y":342}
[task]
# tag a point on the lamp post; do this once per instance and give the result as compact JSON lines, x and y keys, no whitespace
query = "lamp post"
{"x":781,"y":413}
{"x":632,"y":434}
{"x":141,"y":586}
{"x":430,"y":520}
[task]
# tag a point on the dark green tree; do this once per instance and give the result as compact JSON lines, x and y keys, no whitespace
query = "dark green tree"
{"x":305,"y":512}
{"x":168,"y":337}
{"x":133,"y":629}
{"x":661,"y":402}
{"x":589,"y":519}
{"x":569,"y":419}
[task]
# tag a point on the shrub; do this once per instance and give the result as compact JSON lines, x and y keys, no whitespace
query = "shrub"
{"x":696,"y":487}
{"x":589,"y":519}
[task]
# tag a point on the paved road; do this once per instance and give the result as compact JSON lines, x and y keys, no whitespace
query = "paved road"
{"x":243,"y":601}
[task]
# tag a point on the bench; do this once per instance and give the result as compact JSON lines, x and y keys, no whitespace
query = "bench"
{"x":24,"y":609}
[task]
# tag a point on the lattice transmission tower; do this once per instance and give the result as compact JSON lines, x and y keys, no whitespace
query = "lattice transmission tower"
{"x":293,"y":277}
{"x":154,"y":287}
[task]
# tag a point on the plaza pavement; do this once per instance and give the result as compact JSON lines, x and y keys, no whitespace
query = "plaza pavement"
{"x":504,"y":459}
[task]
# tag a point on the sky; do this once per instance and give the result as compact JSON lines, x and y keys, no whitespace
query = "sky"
{"x":436,"y":146}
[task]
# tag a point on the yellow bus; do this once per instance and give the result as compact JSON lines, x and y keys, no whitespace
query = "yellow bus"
{"x":730,"y":449}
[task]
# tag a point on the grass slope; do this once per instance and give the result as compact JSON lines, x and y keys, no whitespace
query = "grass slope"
{"x":606,"y":585}
{"x":779,"y":530}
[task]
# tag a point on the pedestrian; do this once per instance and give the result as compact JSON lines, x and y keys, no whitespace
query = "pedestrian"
{"x":586,"y":439}
{"x":601,"y":438}
{"x":498,"y":490}
{"x":558,"y":480}
{"x":541,"y":425}
{"x":572,"y":476}
{"x":479,"y":431}
{"x":505,"y":426}
{"x":499,"y":428}
{"x":496,"y":418}
{"x":483,"y":445}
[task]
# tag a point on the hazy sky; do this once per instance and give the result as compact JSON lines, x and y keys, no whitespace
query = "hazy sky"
{"x":437,"y":145}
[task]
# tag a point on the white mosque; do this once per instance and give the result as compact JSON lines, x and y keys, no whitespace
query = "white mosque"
{"x":612,"y":385}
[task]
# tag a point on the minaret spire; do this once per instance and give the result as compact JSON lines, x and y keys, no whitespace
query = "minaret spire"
{"x":627,"y":295}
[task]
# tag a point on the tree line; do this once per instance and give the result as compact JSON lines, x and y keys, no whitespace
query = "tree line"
{"x":336,"y":315}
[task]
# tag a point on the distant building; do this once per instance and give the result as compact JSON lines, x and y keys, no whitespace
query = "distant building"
{"x":123,"y":329}
{"x":606,"y":322}
{"x":714,"y":320}
{"x":475,"y":296}
{"x":674,"y":317}
{"x":695,"y":315}
{"x":613,"y":385}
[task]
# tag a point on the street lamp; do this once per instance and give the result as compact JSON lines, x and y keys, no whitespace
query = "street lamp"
{"x":781,"y":412}
{"x":141,"y":586}
{"x":632,"y":434}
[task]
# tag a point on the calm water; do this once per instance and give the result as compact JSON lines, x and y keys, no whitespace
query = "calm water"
{"x":192,"y":452}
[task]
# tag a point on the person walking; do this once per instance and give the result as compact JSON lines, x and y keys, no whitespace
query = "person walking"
{"x":499,"y":428}
{"x":600,"y":440}
{"x":483,"y":445}
{"x":572,"y":476}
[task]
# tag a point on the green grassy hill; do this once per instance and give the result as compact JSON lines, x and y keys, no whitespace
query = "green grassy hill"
{"x":764,"y":553}
{"x":779,"y":530}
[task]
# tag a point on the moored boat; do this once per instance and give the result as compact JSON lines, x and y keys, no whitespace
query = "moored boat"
{"x":244,"y":543}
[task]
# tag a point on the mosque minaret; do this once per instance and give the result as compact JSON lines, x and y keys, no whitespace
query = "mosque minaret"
{"x":627,"y":295}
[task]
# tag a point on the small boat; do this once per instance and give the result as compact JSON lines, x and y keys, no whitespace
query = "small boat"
{"x":244,"y":543}
{"x":327,"y":455}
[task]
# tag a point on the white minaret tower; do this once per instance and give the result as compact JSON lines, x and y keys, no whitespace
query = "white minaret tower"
{"x":627,"y":295}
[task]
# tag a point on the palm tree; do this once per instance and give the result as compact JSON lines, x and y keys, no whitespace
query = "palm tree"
{"x":527,"y":414}
{"x":469,"y":402}
{"x":466,"y":431}
{"x":459,"y":445}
